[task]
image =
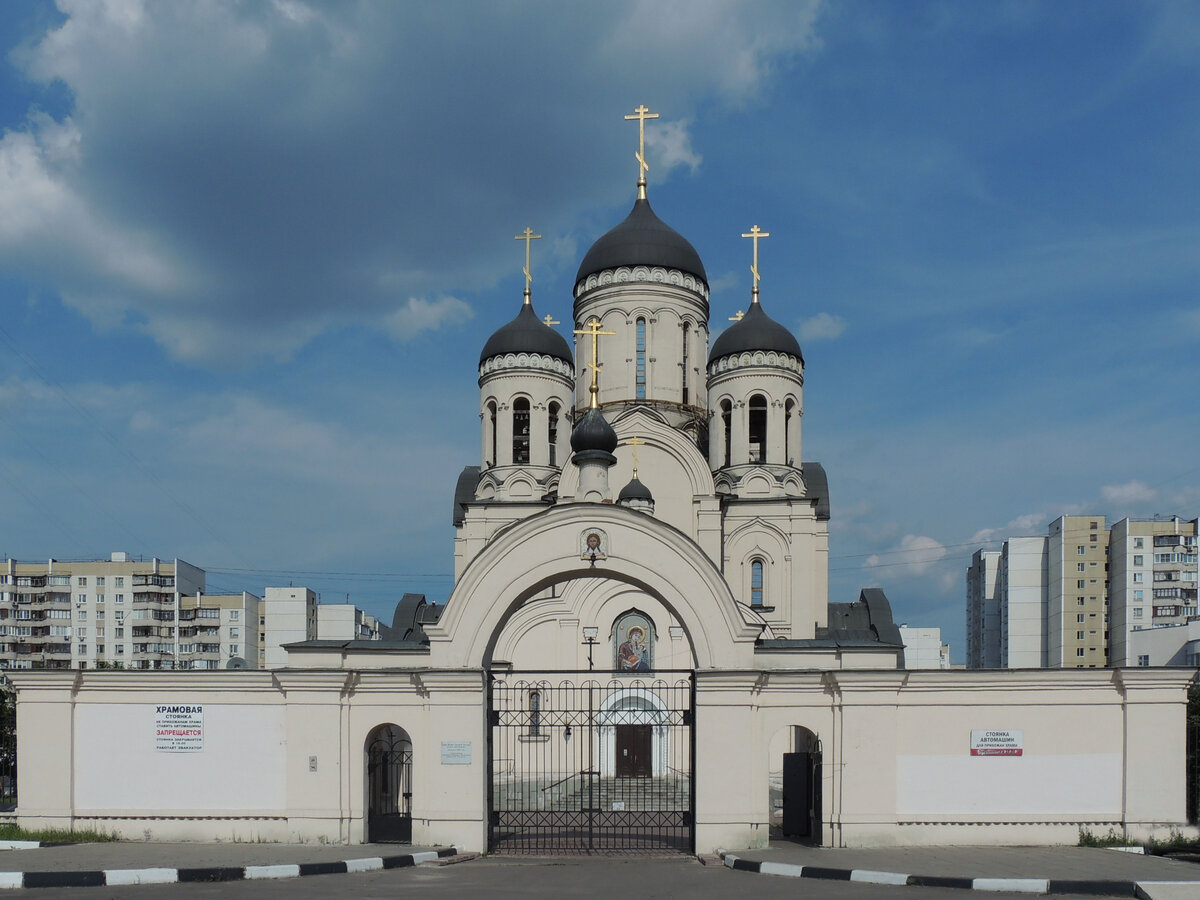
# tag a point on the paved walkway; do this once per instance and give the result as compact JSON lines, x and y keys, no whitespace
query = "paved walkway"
{"x":1090,"y":870}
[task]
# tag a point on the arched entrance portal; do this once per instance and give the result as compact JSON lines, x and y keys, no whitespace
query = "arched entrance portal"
{"x":389,"y":785}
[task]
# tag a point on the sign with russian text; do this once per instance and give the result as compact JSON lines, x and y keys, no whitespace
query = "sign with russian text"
{"x":178,"y":727}
{"x":456,"y":753}
{"x":996,"y":743}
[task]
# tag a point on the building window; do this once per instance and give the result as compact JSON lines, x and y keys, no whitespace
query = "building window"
{"x":1079,"y":617}
{"x":1079,"y":567}
{"x":1137,"y":612}
{"x":640,"y":376}
{"x":1081,"y":584}
{"x":119,"y":581}
{"x":1144,"y":660}
{"x":1137,"y":595}
{"x":1079,"y":601}
{"x":81,"y":581}
{"x":520,"y":446}
{"x":1137,"y":560}
{"x":535,"y":712}
{"x":99,"y":581}
{"x":1079,"y":651}
{"x":1081,"y":549}
{"x":82,"y":598}
{"x":233,"y":633}
{"x":233,"y":615}
{"x":789,"y":410}
{"x":491,"y":412}
{"x":686,"y":326}
{"x":727,"y":427}
{"x":758,"y":428}
{"x":756,"y":583}
{"x":233,"y":649}
{"x":1138,"y":577}
{"x":1137,"y":544}
{"x":552,"y":433}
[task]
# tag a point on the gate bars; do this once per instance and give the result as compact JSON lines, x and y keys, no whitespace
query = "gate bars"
{"x":588,"y":762}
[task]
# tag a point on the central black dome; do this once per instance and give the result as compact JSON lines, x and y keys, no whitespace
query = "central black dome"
{"x":526,"y":334}
{"x":643,"y":239}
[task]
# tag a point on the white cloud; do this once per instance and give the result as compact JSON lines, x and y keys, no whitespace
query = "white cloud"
{"x":419,"y":315}
{"x":914,"y":555}
{"x":669,"y":145}
{"x":1128,"y":494}
{"x":822,"y":327}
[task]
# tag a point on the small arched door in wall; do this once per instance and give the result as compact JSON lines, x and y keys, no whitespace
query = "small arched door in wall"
{"x":389,"y":785}
{"x":802,"y":787}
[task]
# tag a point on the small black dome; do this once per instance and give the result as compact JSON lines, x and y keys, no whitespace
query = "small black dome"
{"x":643,"y":239}
{"x":527,"y":334}
{"x":635,"y":490}
{"x":756,"y":331}
{"x":593,"y":433}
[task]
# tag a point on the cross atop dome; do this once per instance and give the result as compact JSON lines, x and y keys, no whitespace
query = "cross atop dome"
{"x":642,"y":114}
{"x":528,"y":237}
{"x":755,"y":233}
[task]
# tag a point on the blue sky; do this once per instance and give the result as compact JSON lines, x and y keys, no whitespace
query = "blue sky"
{"x":249,"y":253}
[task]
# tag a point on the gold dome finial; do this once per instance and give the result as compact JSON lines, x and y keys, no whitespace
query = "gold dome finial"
{"x":528,"y":237}
{"x":642,"y":114}
{"x":755,"y":233}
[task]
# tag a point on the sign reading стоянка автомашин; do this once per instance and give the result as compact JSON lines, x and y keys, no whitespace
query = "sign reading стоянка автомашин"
{"x":996,"y":743}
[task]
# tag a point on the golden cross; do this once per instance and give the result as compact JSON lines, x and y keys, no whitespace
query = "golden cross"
{"x":527,"y":236}
{"x":642,"y":114}
{"x":737,"y":317}
{"x":755,"y":233}
{"x":550,"y":320}
{"x":593,"y":328}
{"x":635,"y":442}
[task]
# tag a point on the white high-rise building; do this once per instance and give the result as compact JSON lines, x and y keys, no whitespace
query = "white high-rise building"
{"x":1023,"y":587}
{"x":983,"y":611}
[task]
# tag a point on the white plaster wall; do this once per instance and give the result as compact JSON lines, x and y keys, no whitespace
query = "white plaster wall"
{"x":240,"y":768}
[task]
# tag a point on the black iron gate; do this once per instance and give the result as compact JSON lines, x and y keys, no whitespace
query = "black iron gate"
{"x":584,"y":762}
{"x":389,"y":787}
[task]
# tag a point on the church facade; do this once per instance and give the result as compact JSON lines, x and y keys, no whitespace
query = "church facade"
{"x":639,"y":651}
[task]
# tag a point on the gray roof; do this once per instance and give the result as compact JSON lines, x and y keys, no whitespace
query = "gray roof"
{"x":464,"y":492}
{"x":526,"y":334}
{"x":817,"y":484}
{"x":755,"y":331}
{"x":868,"y":619}
{"x":643,"y":239}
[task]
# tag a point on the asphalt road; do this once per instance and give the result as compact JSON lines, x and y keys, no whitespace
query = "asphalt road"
{"x":493,"y":877}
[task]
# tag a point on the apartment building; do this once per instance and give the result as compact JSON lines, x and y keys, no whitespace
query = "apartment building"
{"x":219,"y":631}
{"x":1077,"y":593}
{"x":1087,"y":596}
{"x":93,"y":613}
{"x":1153,"y":584}
{"x":924,"y":649}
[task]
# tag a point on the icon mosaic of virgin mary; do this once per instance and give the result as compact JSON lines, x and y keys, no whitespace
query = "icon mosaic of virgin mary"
{"x":634,"y":647}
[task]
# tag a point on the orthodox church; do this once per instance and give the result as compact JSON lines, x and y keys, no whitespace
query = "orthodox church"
{"x":639,"y":652}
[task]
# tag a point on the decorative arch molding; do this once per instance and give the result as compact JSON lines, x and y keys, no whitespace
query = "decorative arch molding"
{"x":758,"y":526}
{"x":644,"y":274}
{"x":543,"y":550}
{"x":650,"y":426}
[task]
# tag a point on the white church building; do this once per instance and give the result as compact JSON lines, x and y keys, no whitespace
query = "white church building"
{"x":639,"y":651}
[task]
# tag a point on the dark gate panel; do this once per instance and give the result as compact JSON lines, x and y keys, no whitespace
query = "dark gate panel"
{"x":802,"y":796}
{"x":587,"y":763}
{"x":389,"y":788}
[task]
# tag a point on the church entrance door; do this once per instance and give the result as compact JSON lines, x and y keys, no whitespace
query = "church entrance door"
{"x":590,"y":762}
{"x":634,"y":747}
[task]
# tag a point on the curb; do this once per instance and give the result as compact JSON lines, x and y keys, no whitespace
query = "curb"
{"x":1096,"y":888}
{"x":217,"y":873}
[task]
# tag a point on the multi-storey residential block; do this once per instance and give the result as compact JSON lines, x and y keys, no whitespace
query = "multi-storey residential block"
{"x":93,"y":614}
{"x":1023,"y":587}
{"x":219,"y":631}
{"x":1152,"y":578}
{"x":289,"y":615}
{"x":923,"y":648}
{"x":1077,"y":598}
{"x":983,"y":611}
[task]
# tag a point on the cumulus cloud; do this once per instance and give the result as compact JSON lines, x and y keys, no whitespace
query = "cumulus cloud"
{"x":1129,"y":493}
{"x":234,"y":179}
{"x":822,"y":327}
{"x":914,"y":555}
{"x":418,"y":315}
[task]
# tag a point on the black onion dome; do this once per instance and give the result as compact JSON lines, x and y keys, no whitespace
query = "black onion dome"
{"x":643,"y":239}
{"x":592,"y":432}
{"x":527,"y":334}
{"x":635,"y":490}
{"x":755,"y":331}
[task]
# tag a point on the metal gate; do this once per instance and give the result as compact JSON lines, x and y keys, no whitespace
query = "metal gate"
{"x":389,"y":787}
{"x":581,"y":762}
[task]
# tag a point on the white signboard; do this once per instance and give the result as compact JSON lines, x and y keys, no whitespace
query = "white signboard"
{"x":456,"y":753}
{"x":996,"y":743}
{"x":178,"y":727}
